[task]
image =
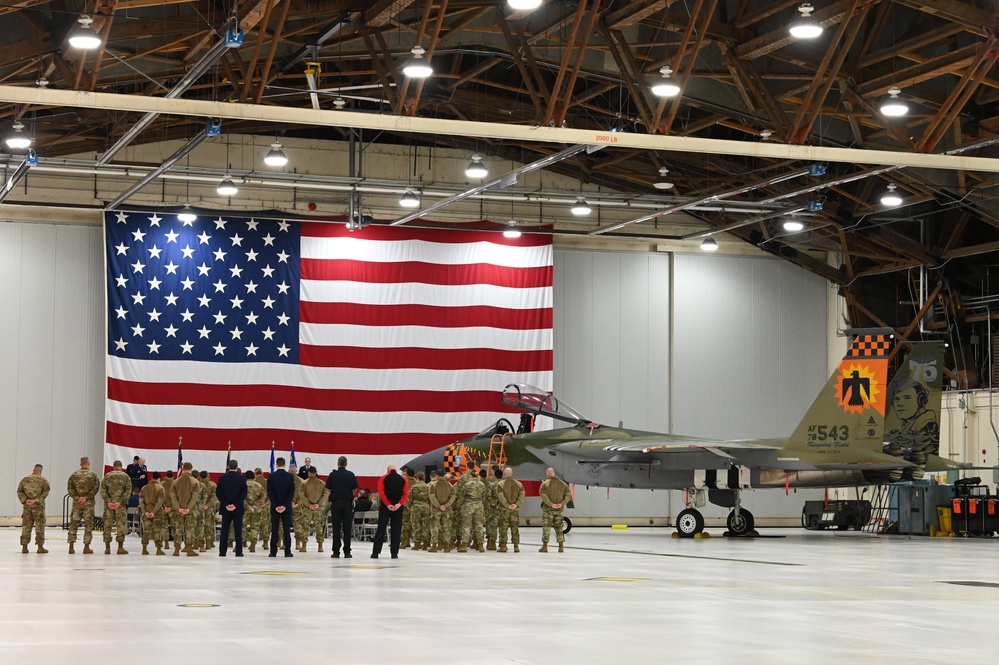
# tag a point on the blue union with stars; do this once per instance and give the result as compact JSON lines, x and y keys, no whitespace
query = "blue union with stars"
{"x":218,"y":289}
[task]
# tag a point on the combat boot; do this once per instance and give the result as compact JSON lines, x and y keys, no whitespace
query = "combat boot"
{"x":447,"y":547}
{"x":405,"y":544}
{"x":462,"y":547}
{"x":253,"y":546}
{"x":176,"y":548}
{"x":159,"y":550}
{"x":72,"y":549}
{"x":544,"y":547}
{"x":190,"y":551}
{"x":516,"y":548}
{"x":86,"y":548}
{"x":480,"y":548}
{"x":41,"y":549}
{"x":121,"y":548}
{"x":501,"y":548}
{"x":491,"y":545}
{"x":24,"y":548}
{"x":433,"y":547}
{"x":107,"y":548}
{"x":203,"y":546}
{"x":145,"y":549}
{"x":320,"y":547}
{"x":561,"y":547}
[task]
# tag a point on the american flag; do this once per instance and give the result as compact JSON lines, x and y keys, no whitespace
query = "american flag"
{"x":380,"y":344}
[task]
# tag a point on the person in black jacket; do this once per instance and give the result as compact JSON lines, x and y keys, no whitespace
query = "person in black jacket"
{"x":281,"y":492}
{"x":393,"y":490}
{"x":231,"y":493}
{"x":342,"y":484}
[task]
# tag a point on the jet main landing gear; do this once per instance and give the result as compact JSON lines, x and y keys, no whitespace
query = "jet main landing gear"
{"x":689,"y":523}
{"x":740,"y":524}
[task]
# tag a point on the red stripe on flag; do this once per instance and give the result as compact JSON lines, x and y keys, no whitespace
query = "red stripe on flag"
{"x":426,"y":273}
{"x":490,"y":233}
{"x":319,"y":399}
{"x":426,"y":315}
{"x":421,"y":358}
{"x":318,"y":443}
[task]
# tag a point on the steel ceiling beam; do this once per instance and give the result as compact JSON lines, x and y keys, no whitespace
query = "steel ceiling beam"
{"x":439,"y":126}
{"x":22,"y":170}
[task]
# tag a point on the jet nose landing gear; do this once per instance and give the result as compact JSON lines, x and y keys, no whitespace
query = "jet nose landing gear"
{"x":740,"y":522}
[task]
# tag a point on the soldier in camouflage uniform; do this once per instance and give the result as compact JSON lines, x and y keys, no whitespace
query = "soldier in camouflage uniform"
{"x":169,"y":515}
{"x":419,"y":507}
{"x":115,"y":490}
{"x":31,"y":492}
{"x":199,"y":512}
{"x":252,"y":515}
{"x":265,"y":509}
{"x":82,"y":487}
{"x":459,"y":501}
{"x":472,"y":494}
{"x":184,"y":495}
{"x":407,"y":519}
{"x":312,"y":498}
{"x":211,"y":510}
{"x":510,"y":493}
{"x":554,"y":495}
{"x":493,"y":508}
{"x":152,"y":498}
{"x":442,"y":497}
{"x":296,"y":511}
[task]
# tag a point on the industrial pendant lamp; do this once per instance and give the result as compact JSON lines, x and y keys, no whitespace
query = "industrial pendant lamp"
{"x":581,"y":207}
{"x":275,"y":156}
{"x":416,"y":67}
{"x":665,"y":86}
{"x":805,"y":27}
{"x":227,"y":187}
{"x":793,"y":225}
{"x":709,"y":245}
{"x":476,"y":169}
{"x":891,"y":198}
{"x":893,"y":107}
{"x":512,"y":230}
{"x":663,"y":182}
{"x":186,"y":214}
{"x":18,"y":140}
{"x":523,"y":5}
{"x":409,"y":199}
{"x":84,"y":37}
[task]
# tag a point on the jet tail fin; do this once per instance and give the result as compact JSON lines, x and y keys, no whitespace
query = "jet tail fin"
{"x":849,"y":413}
{"x":915,"y":396}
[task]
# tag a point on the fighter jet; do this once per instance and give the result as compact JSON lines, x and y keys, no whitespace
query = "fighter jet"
{"x":860,"y":430}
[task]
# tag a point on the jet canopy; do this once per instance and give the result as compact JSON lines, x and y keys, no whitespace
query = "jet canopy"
{"x":539,"y":402}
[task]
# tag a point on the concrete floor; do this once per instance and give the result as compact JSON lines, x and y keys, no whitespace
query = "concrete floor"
{"x":792,"y":597}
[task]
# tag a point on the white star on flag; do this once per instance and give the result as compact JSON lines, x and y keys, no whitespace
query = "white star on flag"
{"x":236,"y":271}
{"x":122,"y":218}
{"x":187,"y":315}
{"x":251,"y":287}
{"x":153,"y":347}
{"x":154,"y":284}
{"x":137,"y":330}
{"x":187,"y":346}
{"x":219,"y":349}
{"x":219,"y":223}
{"x":237,"y":303}
{"x":219,"y":286}
{"x":172,"y":236}
{"x":204,"y":301}
{"x":283,"y":226}
{"x":121,"y":280}
{"x":283,"y":257}
{"x":171,"y":268}
{"x":268,"y":271}
{"x":251,"y":255}
{"x":153,"y":315}
{"x":121,"y":312}
{"x":268,"y":303}
{"x":121,"y":249}
{"x":187,"y":283}
{"x":120,"y":344}
{"x":283,"y":350}
{"x":154,"y":252}
{"x":252,"y":224}
{"x":171,"y":299}
{"x":251,"y":350}
{"x":251,"y":318}
{"x":268,"y":333}
{"x":138,"y":298}
{"x":283,"y":319}
{"x":236,"y":333}
{"x":204,"y":238}
{"x":171,"y":331}
{"x":187,"y":252}
{"x":219,"y":318}
{"x":269,"y":240}
{"x":203,"y":269}
{"x":138,"y":234}
{"x":236,"y":240}
{"x":219,"y":255}
{"x":137,"y":267}
{"x":283,"y":288}
{"x":155,"y":220}
{"x":204,"y":332}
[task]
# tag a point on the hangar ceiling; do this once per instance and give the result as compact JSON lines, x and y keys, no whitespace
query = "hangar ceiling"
{"x":589,"y":65}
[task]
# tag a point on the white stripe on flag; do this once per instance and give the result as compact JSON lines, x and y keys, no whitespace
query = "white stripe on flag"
{"x":425,"y":337}
{"x":463,"y":295}
{"x":397,"y":251}
{"x":331,"y":378}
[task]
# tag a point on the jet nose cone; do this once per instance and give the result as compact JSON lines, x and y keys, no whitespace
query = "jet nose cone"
{"x":432,"y":460}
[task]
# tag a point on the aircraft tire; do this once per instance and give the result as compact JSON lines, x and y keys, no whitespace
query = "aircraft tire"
{"x":566,"y":525}
{"x":689,"y":523}
{"x":744,"y":524}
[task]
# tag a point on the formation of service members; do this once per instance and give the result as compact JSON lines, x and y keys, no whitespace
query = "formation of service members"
{"x":476,"y":511}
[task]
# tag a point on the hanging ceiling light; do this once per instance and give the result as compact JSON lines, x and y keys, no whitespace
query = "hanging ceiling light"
{"x":894,"y":107}
{"x":227,"y":187}
{"x":891,"y":198}
{"x":18,"y":140}
{"x":523,"y":5}
{"x":663,"y":182}
{"x":581,"y":207}
{"x":416,"y":67}
{"x":805,"y":27}
{"x":339,"y":102}
{"x":793,"y":225}
{"x":476,"y":169}
{"x":84,"y":37}
{"x":709,"y":245}
{"x":665,"y":86}
{"x":409,"y":199}
{"x":187,"y":215}
{"x":512,"y":231}
{"x":275,"y":156}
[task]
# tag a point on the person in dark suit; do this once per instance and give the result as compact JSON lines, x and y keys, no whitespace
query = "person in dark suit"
{"x":393,"y":490}
{"x":281,"y":492}
{"x":342,"y":484}
{"x":231,"y":493}
{"x":303,"y":472}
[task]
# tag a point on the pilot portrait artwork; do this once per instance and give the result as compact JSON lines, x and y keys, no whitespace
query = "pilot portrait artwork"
{"x":912,"y":430}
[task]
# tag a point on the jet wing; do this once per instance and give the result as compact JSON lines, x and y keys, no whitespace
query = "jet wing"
{"x":649,"y":445}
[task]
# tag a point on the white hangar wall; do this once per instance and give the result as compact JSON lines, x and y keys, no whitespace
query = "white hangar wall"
{"x":51,"y":355}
